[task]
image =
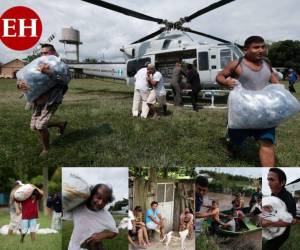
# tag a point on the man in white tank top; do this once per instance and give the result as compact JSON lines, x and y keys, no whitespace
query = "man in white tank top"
{"x":253,"y":72}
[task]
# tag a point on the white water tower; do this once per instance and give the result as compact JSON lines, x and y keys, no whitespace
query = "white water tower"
{"x":71,"y":36}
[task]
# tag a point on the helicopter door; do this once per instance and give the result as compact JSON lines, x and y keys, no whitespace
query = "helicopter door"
{"x":214,"y":63}
{"x":203,"y":66}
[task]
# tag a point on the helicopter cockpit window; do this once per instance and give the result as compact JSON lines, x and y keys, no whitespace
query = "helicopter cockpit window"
{"x":131,"y":68}
{"x":225,"y":56}
{"x":166,"y":44}
{"x":142,"y":62}
{"x":134,"y":65}
{"x":203,"y":60}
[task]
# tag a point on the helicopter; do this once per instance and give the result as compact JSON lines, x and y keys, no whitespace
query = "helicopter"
{"x":172,"y":42}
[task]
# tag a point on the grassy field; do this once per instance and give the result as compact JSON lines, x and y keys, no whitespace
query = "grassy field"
{"x":205,"y":242}
{"x":44,"y":242}
{"x":119,"y":243}
{"x":293,"y":241}
{"x":101,"y":132}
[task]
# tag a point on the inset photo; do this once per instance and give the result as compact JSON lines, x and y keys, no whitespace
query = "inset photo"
{"x":30,"y":209}
{"x":281,"y":208}
{"x":95,"y":208}
{"x":228,"y":205}
{"x":161,"y":203}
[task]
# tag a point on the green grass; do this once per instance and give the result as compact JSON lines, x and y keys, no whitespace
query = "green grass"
{"x":120,"y":242}
{"x":44,"y":242}
{"x":101,"y":132}
{"x":293,"y":240}
{"x":204,"y":242}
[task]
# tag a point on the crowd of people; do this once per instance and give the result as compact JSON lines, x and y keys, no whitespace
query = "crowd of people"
{"x":233,"y":219}
{"x":142,"y":225}
{"x":253,"y":71}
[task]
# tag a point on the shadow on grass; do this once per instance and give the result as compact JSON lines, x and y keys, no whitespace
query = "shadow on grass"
{"x":73,"y":136}
{"x":249,"y":152}
{"x":82,"y":91}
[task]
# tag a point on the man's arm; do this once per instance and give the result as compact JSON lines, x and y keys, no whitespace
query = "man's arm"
{"x":97,"y":237}
{"x":18,"y":207}
{"x":274,"y":78}
{"x":280,"y":223}
{"x":203,"y":214}
{"x":151,"y":80}
{"x":153,"y":219}
{"x":223,"y":77}
{"x":181,"y":220}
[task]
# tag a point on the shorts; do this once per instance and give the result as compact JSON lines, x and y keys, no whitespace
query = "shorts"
{"x":42,"y":115}
{"x":151,"y":225}
{"x":238,"y":136}
{"x":133,"y":234}
{"x":152,"y":97}
{"x":28,"y":225}
{"x":15,"y":221}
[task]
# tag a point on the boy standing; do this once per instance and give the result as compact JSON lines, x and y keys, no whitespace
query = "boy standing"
{"x":30,"y":214}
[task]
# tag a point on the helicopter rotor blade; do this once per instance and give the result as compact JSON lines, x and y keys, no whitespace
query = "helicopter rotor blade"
{"x":161,"y":30}
{"x":207,"y":9}
{"x":124,"y":11}
{"x":211,"y":37}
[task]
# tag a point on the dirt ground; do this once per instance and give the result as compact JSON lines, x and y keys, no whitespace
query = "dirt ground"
{"x":174,"y":245}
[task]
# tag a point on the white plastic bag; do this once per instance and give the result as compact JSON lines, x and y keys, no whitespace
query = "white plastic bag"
{"x":24,"y":192}
{"x":259,"y":109}
{"x":40,"y":83}
{"x":75,"y":191}
{"x":279,"y":213}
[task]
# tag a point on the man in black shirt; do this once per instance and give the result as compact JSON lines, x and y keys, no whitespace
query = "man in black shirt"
{"x":277,"y":181}
{"x":54,"y":204}
{"x":193,"y":78}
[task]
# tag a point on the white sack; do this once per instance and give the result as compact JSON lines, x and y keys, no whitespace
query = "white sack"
{"x":40,"y":83}
{"x":259,"y":109}
{"x":75,"y":191}
{"x":279,"y":213}
{"x":4,"y":230}
{"x":24,"y":192}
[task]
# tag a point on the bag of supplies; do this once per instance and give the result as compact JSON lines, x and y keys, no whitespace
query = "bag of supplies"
{"x":39,"y":83}
{"x":24,"y":192}
{"x":75,"y":191}
{"x":276,"y":210}
{"x":259,"y":109}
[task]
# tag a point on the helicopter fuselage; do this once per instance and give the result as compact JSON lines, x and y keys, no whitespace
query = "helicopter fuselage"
{"x":208,"y":59}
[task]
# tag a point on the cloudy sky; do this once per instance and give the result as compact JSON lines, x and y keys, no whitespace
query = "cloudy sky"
{"x":115,"y":177}
{"x":291,"y":175}
{"x":104,"y":32}
{"x":247,"y":172}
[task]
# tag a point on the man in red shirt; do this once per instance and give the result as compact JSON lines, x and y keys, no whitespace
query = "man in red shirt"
{"x":30,"y":214}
